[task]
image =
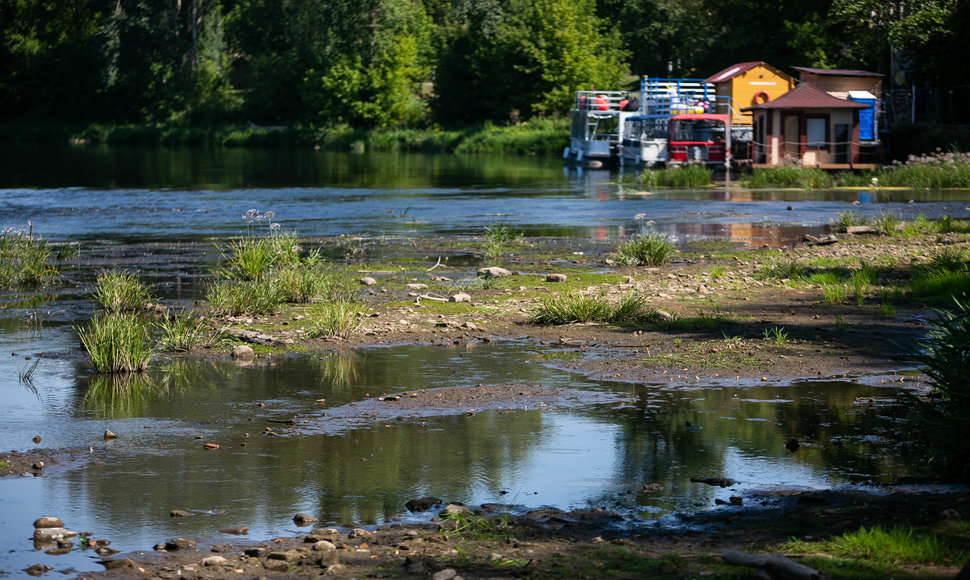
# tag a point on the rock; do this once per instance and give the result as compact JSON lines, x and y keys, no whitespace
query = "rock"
{"x":493,"y":272}
{"x":255,"y":552}
{"x":215,"y":561}
{"x":792,"y":445}
{"x":108,"y":435}
{"x":38,"y":465}
{"x":423,"y":504}
{"x":860,"y":230}
{"x":236,"y":531}
{"x":177,"y":514}
{"x":459,"y":297}
{"x":446,"y":574}
{"x":118,"y":564}
{"x":290,"y":556}
{"x":664,"y":316}
{"x":209,"y":446}
{"x":555,"y":278}
{"x":243,"y":353}
{"x":303,"y":519}
{"x":416,"y":286}
{"x":419,"y":564}
{"x":48,"y":522}
{"x":361,"y":534}
{"x":38,"y":570}
{"x":179,"y":544}
{"x":455,"y":509}
{"x":36,"y":439}
{"x":323,"y":534}
{"x":328,"y":553}
{"x":276,"y":565}
{"x":368,"y":281}
{"x":52,"y":534}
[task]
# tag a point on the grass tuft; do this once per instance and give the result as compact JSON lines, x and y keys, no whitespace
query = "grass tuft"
{"x":117,"y":342}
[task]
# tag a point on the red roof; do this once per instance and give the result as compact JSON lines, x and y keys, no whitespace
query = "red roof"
{"x":732,"y":71}
{"x":807,"y":96}
{"x":837,"y":72}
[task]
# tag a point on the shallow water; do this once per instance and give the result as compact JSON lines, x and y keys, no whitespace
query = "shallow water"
{"x":165,"y":214}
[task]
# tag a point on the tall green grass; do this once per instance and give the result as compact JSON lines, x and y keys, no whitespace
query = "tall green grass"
{"x":572,"y":307}
{"x":788,"y":176}
{"x":685,"y":176}
{"x":186,"y":332}
{"x":647,"y":249}
{"x":119,"y":291}
{"x":942,"y":420}
{"x":25,"y":261}
{"x":117,"y":342}
{"x":334,"y":320}
{"x":890,"y":547}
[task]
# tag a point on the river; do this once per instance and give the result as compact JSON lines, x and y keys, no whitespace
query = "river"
{"x":165,"y":213}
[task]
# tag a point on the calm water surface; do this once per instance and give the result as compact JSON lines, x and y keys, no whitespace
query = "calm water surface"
{"x":164,"y":213}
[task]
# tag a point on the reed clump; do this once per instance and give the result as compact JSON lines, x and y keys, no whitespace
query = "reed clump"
{"x":25,"y":260}
{"x":117,"y":342}
{"x":120,"y":291}
{"x":572,"y":307}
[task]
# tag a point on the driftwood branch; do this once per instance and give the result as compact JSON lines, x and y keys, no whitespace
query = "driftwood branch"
{"x":253,"y":336}
{"x":777,"y":566}
{"x":435,"y":266}
{"x":430,"y":297}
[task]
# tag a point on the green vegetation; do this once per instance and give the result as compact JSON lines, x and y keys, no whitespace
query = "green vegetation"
{"x":788,"y":176}
{"x":945,"y":357}
{"x":937,"y":170}
{"x":777,"y":335}
{"x":334,"y":319}
{"x":25,"y":261}
{"x":184,"y":333}
{"x":645,"y":249}
{"x":684,"y":177}
{"x":117,"y":342}
{"x":849,"y":218}
{"x":576,"y":307}
{"x":121,"y":292}
{"x":880,"y":550}
{"x":499,"y":240}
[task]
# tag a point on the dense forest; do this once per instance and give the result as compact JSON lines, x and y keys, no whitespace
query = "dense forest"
{"x":425,"y":63}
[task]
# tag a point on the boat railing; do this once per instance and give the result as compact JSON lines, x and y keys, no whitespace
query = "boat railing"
{"x":606,"y":102}
{"x":660,"y":96}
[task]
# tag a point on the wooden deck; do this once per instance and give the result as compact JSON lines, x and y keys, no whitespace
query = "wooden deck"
{"x":829,"y":166}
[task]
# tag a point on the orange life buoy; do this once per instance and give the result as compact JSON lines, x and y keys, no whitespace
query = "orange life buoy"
{"x":760,"y":98}
{"x":600,"y":101}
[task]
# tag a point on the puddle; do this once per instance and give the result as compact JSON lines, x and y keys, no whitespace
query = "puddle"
{"x":629,"y":447}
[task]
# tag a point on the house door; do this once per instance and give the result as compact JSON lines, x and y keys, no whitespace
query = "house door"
{"x":841,"y":143}
{"x":792,"y":139}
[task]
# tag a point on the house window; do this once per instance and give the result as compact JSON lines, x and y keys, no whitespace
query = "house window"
{"x":816,"y":129}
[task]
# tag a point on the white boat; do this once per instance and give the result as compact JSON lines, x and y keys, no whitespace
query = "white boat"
{"x":596,"y":126}
{"x":609,"y":126}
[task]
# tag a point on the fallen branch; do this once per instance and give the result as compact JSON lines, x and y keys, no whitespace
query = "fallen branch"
{"x":430,"y":297}
{"x":253,"y":337}
{"x":435,"y":266}
{"x":778,"y":566}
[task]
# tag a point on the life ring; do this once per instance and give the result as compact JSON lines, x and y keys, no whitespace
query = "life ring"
{"x":760,"y":98}
{"x":600,"y":102}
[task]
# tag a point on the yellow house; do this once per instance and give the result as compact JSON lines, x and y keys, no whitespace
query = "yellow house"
{"x":744,"y":85}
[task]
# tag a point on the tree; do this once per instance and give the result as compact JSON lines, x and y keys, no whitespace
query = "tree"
{"x":526,"y":60}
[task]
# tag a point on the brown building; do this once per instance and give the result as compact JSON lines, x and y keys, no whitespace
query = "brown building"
{"x":810,"y":127}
